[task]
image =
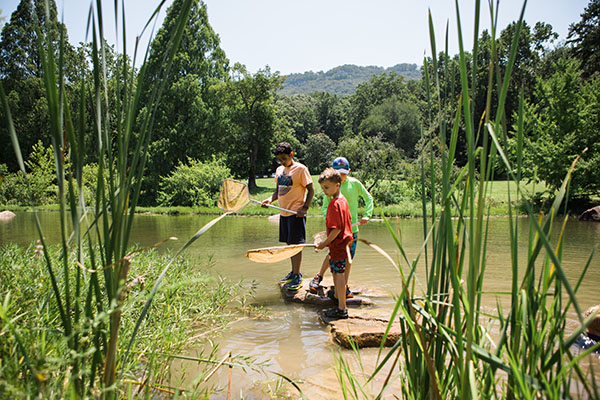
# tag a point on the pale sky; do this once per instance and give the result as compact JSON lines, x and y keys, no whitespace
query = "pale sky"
{"x":316,"y":35}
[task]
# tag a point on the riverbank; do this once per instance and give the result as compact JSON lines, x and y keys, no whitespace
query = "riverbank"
{"x":500,"y":195}
{"x":178,"y":319}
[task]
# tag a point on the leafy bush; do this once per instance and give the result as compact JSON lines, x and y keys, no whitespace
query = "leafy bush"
{"x":193,"y":184}
{"x":319,"y":152}
{"x":389,"y":192}
{"x":559,"y":125}
{"x":90,"y":180}
{"x":317,"y":200}
{"x":371,"y":159}
{"x":413,"y":174}
{"x":38,"y":188}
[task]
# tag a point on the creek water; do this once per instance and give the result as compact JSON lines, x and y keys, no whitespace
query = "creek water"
{"x":292,"y":340}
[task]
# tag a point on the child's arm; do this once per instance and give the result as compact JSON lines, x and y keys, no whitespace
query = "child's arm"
{"x":310,"y":191}
{"x":271,"y":199}
{"x":368,"y":199}
{"x":332,"y":235}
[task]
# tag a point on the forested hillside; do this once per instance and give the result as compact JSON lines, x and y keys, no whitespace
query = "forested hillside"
{"x":342,"y":80}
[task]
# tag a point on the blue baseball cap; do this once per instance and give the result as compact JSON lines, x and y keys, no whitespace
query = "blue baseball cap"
{"x":341,"y":165}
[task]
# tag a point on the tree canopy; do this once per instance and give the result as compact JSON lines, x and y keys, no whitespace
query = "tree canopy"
{"x":585,"y":38}
{"x":187,"y":123}
{"x":210,"y":109}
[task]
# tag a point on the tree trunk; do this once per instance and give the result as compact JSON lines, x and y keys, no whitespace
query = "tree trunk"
{"x":252,"y":172}
{"x":252,"y":182}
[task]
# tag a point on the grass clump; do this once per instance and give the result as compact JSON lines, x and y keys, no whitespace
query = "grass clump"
{"x":192,"y":301}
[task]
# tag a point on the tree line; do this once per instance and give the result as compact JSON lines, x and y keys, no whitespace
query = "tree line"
{"x":222,"y":117}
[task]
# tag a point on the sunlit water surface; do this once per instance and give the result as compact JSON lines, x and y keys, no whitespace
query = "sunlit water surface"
{"x":292,"y":340}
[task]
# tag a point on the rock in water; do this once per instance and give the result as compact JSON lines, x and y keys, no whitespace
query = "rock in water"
{"x":593,"y":214}
{"x":6,"y":215}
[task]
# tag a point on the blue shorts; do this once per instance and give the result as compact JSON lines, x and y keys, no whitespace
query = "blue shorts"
{"x":292,"y":230}
{"x":353,"y":245}
{"x":337,"y":267}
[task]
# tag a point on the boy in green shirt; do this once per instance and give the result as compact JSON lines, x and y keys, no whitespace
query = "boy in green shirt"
{"x":352,"y":189}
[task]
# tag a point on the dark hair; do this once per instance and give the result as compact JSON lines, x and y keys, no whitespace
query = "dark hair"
{"x":594,"y":326}
{"x":330,"y":175}
{"x":283,"y":148}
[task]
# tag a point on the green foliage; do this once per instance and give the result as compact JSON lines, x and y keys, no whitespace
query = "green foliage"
{"x":372,"y":93}
{"x":584,"y":36}
{"x":34,"y":318}
{"x":193,"y":184}
{"x":451,"y":346}
{"x":41,"y":160}
{"x":559,"y":126}
{"x":298,"y":113}
{"x":342,"y":80}
{"x":38,"y":187}
{"x":397,"y":122}
{"x":190,"y":121}
{"x":21,"y":72}
{"x":371,"y":159}
{"x":319,"y":152}
{"x":87,"y":278}
{"x":418,"y":173}
{"x":331,"y":114}
{"x":251,"y":99}
{"x":392,"y":192}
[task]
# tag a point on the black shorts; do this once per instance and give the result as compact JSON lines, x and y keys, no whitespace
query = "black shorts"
{"x":292,"y":230}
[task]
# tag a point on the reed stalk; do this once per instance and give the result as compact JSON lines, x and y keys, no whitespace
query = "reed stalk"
{"x":448,"y":348}
{"x":81,"y":294}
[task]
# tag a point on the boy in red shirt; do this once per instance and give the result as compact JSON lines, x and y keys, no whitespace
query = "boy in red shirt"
{"x":339,"y":237}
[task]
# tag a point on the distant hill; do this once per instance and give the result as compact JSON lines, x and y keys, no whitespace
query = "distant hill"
{"x":342,"y":80}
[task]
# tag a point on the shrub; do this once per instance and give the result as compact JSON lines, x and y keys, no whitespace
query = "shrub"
{"x":90,"y":180}
{"x":371,"y":159}
{"x":413,"y":173}
{"x":317,"y":200}
{"x":38,"y":188}
{"x":193,"y":184}
{"x":389,"y":192}
{"x":319,"y":152}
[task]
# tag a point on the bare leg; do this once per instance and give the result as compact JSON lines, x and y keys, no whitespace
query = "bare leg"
{"x":296,"y":261}
{"x":348,"y":265}
{"x":347,"y":273}
{"x":339,"y":281}
{"x":324,"y":266}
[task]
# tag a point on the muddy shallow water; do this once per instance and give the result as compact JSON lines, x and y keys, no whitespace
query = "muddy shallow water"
{"x":293,"y":340}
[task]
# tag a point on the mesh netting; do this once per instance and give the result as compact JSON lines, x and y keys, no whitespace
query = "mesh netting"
{"x":274,"y":254}
{"x":234,"y":196}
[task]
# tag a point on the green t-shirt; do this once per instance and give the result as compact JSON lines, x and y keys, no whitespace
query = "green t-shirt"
{"x":351,"y":188}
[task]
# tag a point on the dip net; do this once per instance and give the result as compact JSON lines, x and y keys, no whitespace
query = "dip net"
{"x":234,"y":196}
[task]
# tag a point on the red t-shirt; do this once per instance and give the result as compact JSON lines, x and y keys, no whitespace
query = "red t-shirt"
{"x":338,"y":217}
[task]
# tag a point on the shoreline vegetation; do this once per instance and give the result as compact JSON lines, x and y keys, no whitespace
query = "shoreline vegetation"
{"x":179,"y":319}
{"x":496,"y":202}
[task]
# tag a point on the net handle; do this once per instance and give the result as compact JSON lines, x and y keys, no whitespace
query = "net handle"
{"x":276,"y":249}
{"x":271,"y":205}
